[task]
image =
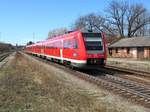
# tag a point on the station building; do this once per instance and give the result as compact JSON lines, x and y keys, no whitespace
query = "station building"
{"x":5,"y":47}
{"x":135,"y":47}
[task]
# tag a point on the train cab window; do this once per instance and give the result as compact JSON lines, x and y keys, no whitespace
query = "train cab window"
{"x":93,"y":41}
{"x":74,"y":43}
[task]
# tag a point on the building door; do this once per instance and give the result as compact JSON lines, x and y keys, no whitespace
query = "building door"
{"x":140,"y":52}
{"x":149,"y":52}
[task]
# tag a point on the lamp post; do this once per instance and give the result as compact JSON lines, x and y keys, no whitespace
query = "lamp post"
{"x":0,"y":35}
{"x":33,"y":37}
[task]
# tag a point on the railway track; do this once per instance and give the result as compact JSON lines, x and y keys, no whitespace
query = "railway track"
{"x":129,"y":71}
{"x":134,"y":91}
{"x":3,"y":56}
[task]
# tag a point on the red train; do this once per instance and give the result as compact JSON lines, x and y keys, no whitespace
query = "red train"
{"x":77,"y":49}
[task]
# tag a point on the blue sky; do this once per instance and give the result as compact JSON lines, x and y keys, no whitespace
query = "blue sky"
{"x":20,"y":19}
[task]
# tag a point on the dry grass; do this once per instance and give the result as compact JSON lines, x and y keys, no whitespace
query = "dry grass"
{"x":129,"y":63}
{"x":29,"y":86}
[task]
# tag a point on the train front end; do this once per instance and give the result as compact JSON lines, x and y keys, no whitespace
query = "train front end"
{"x":95,"y":46}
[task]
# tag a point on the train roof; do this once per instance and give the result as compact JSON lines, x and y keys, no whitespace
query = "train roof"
{"x":86,"y":33}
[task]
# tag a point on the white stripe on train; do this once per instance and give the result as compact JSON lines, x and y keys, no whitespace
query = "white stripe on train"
{"x":67,"y":59}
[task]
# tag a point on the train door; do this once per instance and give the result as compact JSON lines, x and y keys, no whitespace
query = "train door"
{"x":61,"y":50}
{"x":42,"y":50}
{"x":140,"y":52}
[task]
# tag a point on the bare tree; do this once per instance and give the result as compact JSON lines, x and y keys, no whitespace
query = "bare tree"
{"x":55,"y":32}
{"x":91,"y":22}
{"x":137,"y":18}
{"x":116,"y":16}
{"x":123,"y":17}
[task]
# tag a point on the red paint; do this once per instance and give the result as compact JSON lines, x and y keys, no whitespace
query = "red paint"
{"x":95,"y":56}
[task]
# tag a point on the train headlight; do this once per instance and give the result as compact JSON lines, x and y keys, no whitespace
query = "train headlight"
{"x":75,"y":54}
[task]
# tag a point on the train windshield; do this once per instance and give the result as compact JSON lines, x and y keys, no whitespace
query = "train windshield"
{"x":93,"y":41}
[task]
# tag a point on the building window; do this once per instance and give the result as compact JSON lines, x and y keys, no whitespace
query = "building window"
{"x":149,"y":52}
{"x":116,"y":50}
{"x":128,"y":50}
{"x":110,"y":51}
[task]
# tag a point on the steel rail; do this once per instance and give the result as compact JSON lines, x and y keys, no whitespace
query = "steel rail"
{"x":128,"y":70}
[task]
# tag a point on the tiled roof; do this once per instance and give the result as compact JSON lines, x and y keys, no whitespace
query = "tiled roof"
{"x":133,"y":42}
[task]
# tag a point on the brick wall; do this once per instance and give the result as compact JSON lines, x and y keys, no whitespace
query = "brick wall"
{"x":146,"y":52}
{"x":129,"y":52}
{"x":124,"y":52}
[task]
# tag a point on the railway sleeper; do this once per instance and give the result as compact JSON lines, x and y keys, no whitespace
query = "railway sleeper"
{"x":146,"y":91}
{"x":140,"y":89}
{"x":134,"y":96}
{"x":122,"y":91}
{"x":141,"y":99}
{"x":134,"y":87}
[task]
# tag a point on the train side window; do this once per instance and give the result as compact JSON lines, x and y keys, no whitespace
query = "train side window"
{"x":56,"y":45}
{"x":49,"y":46}
{"x":60,"y":45}
{"x":65,"y":44}
{"x":53,"y":45}
{"x":69,"y":44}
{"x":75,"y":43}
